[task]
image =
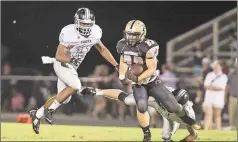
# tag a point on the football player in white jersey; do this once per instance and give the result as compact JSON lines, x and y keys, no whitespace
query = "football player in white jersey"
{"x":75,"y":41}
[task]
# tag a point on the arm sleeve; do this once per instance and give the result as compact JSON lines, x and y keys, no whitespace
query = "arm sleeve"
{"x":62,"y":37}
{"x":153,"y":49}
{"x":153,"y":52}
{"x":99,"y":32}
{"x":119,"y":46}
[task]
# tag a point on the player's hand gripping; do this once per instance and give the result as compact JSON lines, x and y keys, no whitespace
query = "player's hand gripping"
{"x":132,"y":77}
{"x":125,"y":81}
{"x":88,"y":91}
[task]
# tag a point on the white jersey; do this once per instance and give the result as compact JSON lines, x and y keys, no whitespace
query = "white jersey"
{"x":78,"y":46}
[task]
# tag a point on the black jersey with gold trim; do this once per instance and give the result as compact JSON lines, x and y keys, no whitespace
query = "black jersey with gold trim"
{"x":138,"y":54}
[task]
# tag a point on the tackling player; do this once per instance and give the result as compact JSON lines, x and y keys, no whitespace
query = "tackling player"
{"x":171,"y":121}
{"x":76,"y":40}
{"x":135,"y":48}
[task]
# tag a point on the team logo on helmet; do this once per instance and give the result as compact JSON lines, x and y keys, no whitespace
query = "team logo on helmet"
{"x":84,"y":20}
{"x":134,"y":32}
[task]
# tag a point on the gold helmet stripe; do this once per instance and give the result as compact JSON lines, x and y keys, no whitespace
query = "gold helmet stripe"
{"x":133,"y":23}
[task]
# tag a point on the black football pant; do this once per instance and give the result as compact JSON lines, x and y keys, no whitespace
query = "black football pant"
{"x":161,"y":94}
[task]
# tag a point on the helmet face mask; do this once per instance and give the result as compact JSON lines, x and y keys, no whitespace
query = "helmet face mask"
{"x":132,"y":38}
{"x":134,"y":32}
{"x":84,"y":20}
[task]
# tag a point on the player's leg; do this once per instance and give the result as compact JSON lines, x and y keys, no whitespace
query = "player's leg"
{"x":60,"y":87}
{"x":70,"y":78}
{"x":166,"y":98}
{"x":153,"y":114}
{"x":167,"y":129}
{"x":114,"y":94}
{"x":141,"y":98}
{"x":36,"y":115}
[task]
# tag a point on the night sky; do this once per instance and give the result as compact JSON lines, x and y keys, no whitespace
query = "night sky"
{"x":38,"y":25}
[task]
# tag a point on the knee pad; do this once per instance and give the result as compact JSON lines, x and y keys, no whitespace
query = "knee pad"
{"x":181,"y":96}
{"x":67,"y":100}
{"x":142,"y":106}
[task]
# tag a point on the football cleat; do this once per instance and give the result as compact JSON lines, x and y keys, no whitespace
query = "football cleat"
{"x":49,"y":116}
{"x":147,"y":137}
{"x":35,"y":121}
{"x":196,"y":125}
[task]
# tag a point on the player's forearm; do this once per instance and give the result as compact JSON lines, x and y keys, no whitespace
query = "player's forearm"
{"x":108,"y":56}
{"x":146,"y":74}
{"x":123,"y":67}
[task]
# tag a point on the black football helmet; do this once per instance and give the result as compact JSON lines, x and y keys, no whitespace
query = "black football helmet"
{"x":84,"y":20}
{"x":181,"y":96}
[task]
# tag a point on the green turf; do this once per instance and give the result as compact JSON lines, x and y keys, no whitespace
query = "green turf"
{"x":24,"y":132}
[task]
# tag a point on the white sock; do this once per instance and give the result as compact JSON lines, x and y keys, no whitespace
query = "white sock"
{"x":54,"y":105}
{"x":130,"y":100}
{"x":40,"y":112}
{"x":99,"y":92}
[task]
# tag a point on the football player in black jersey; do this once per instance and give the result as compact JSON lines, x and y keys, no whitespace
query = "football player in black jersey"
{"x":135,"y":48}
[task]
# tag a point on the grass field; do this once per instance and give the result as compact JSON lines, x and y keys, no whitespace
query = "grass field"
{"x":24,"y":132}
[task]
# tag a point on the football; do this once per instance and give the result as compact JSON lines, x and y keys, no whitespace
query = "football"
{"x":137,"y":69}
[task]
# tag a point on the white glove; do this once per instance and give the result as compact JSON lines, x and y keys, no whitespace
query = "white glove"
{"x":47,"y":60}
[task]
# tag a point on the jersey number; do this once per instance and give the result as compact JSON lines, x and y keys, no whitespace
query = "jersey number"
{"x":149,"y":42}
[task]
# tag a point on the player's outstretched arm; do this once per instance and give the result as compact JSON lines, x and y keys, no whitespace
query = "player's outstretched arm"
{"x":106,"y":53}
{"x":61,"y":54}
{"x":193,"y":134}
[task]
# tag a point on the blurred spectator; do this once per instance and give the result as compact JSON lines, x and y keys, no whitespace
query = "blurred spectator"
{"x":197,"y":59}
{"x":6,"y":88}
{"x":205,"y":70}
{"x":231,"y":91}
{"x":118,"y":107}
{"x":40,"y":93}
{"x":215,"y":84}
{"x":168,"y":78}
{"x":225,"y":68}
{"x":25,"y":87}
{"x":171,"y":67}
{"x":17,"y":102}
{"x":100,"y":101}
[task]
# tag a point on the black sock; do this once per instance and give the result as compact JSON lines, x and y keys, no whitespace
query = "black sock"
{"x":122,"y":96}
{"x":146,"y":129}
{"x":186,"y":119}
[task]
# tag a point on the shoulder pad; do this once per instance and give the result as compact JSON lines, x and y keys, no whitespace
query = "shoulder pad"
{"x":120,"y":45}
{"x":153,"y":49}
{"x":150,"y":43}
{"x":97,"y":31}
{"x":65,"y":33}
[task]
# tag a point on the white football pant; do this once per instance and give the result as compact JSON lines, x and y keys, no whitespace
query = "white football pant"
{"x":67,"y":76}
